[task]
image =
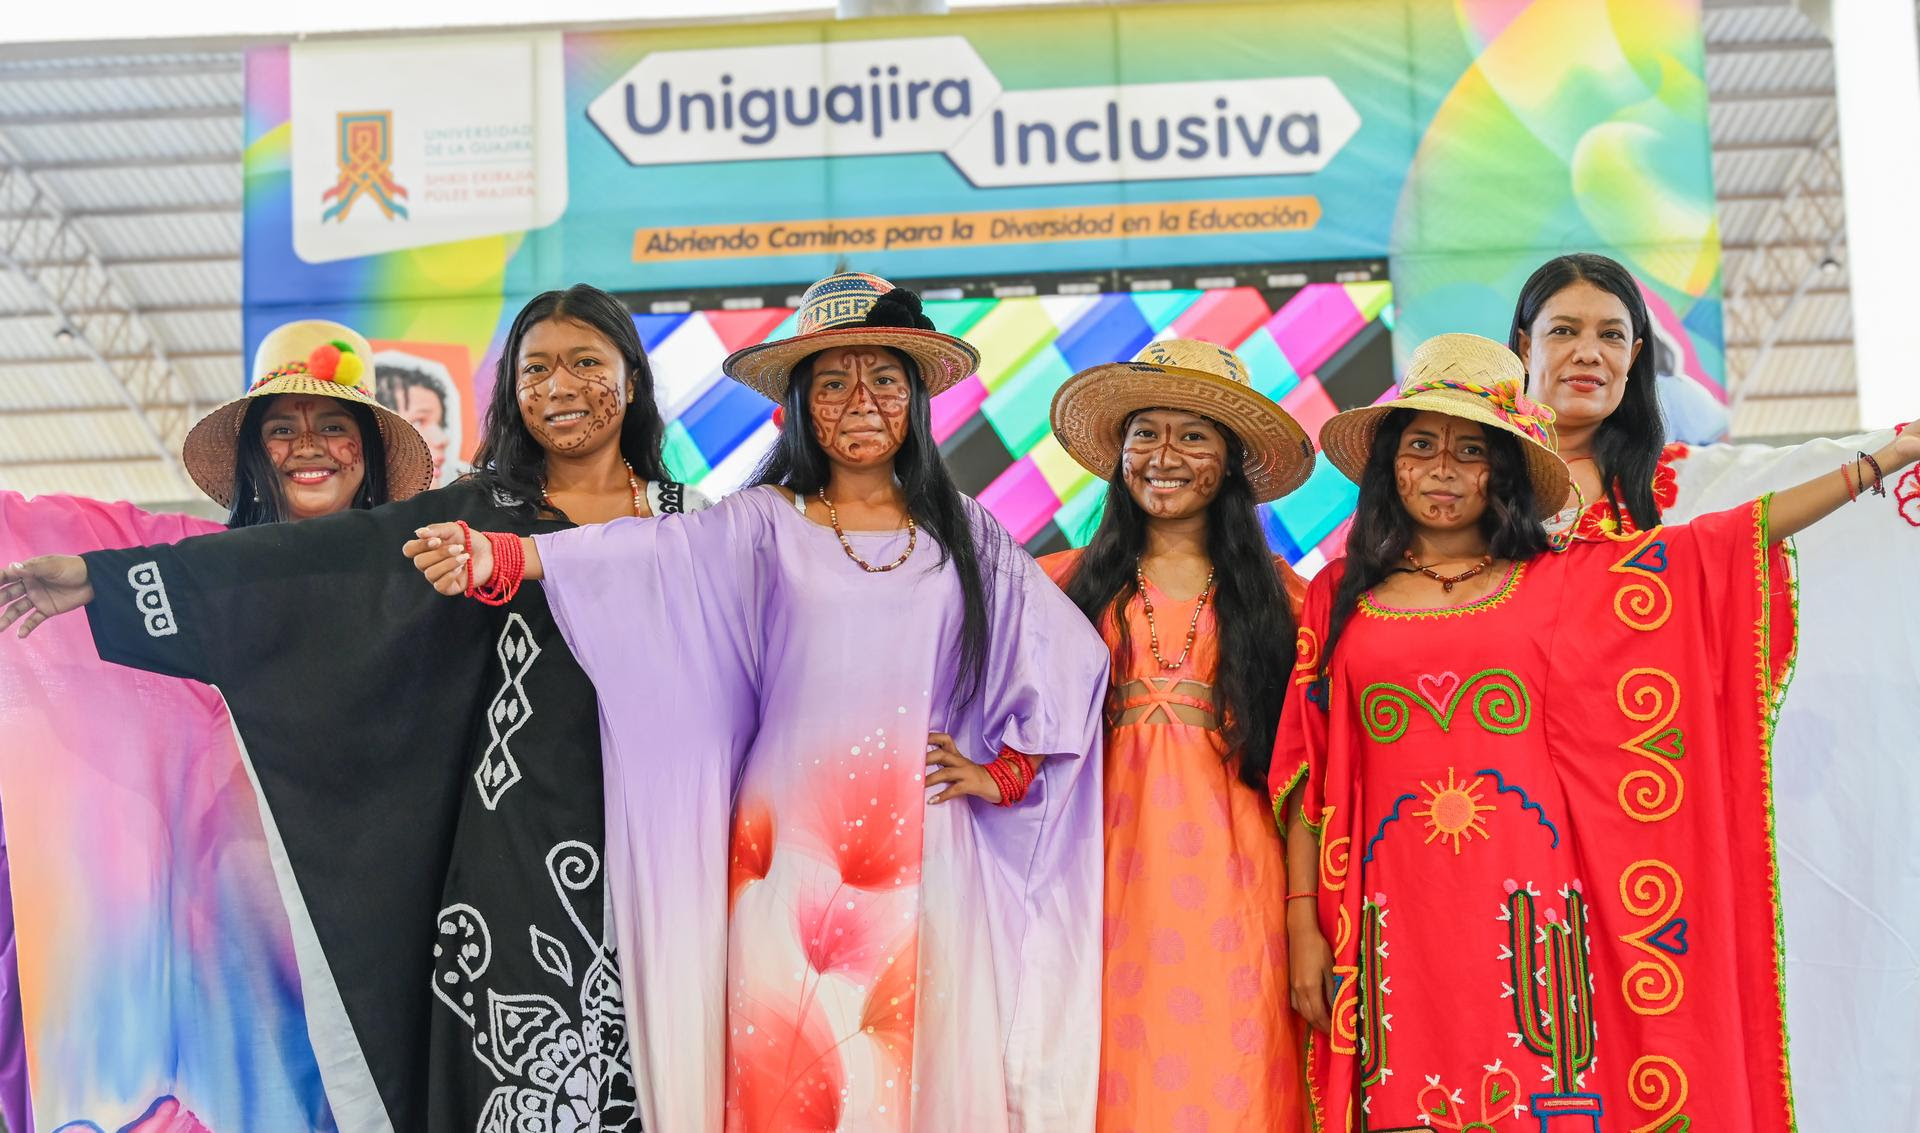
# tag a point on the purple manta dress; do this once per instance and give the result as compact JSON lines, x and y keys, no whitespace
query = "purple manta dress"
{"x":806,"y":944}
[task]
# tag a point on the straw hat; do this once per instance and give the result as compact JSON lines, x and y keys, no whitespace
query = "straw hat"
{"x":1091,"y":409}
{"x":312,"y":357}
{"x":1466,"y":376}
{"x":834,"y":313}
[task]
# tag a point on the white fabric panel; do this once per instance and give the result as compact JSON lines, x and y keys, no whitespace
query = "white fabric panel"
{"x":1847,"y":788}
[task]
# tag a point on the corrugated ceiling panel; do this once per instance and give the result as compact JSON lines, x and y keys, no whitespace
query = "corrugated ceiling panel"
{"x":139,"y":481}
{"x":56,"y":385}
{"x":89,"y":435}
{"x":177,"y":284}
{"x":196,"y":331}
{"x":147,"y":186}
{"x":88,"y":141}
{"x":178,"y":234}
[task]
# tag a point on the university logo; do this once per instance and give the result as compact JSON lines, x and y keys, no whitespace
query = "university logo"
{"x":366,"y":167}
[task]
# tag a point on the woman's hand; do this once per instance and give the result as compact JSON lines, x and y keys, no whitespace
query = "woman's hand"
{"x":440,"y":553}
{"x":961,"y":775}
{"x":1311,"y":961}
{"x":35,"y":590}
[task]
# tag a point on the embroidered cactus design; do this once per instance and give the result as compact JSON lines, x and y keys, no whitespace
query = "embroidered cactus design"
{"x":1552,"y":988}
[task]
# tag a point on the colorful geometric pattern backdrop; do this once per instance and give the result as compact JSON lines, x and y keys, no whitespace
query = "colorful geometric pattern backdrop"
{"x":1316,"y":347}
{"x":1426,"y":137}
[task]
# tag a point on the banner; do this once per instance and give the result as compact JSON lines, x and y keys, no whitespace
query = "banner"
{"x":422,"y":189}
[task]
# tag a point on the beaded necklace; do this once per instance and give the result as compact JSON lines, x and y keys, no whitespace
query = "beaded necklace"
{"x":1153,"y":631}
{"x":833,"y":517}
{"x":633,"y":485}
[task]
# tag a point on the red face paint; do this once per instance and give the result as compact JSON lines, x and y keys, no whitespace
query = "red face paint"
{"x":859,"y":403}
{"x":315,"y":447}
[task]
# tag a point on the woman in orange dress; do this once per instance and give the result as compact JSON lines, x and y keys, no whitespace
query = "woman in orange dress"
{"x":1196,"y":1031}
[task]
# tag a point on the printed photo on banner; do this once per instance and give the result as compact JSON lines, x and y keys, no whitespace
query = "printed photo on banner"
{"x":431,"y":385}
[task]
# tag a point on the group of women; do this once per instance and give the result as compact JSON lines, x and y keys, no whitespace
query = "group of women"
{"x":826,"y":807}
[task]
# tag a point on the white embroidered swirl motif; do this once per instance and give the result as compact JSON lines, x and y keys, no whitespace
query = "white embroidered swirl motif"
{"x":150,"y":598}
{"x":558,"y":1070}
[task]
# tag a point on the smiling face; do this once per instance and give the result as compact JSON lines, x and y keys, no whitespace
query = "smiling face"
{"x":315,"y":447}
{"x":1578,"y":352}
{"x":1172,"y":462}
{"x":1441,"y":471}
{"x":859,"y":403}
{"x":572,"y":387}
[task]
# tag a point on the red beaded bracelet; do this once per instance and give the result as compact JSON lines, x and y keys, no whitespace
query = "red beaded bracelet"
{"x":509,"y":567}
{"x":1013,"y":774}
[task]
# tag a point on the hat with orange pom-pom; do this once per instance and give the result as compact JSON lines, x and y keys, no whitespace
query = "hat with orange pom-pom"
{"x":316,"y":358}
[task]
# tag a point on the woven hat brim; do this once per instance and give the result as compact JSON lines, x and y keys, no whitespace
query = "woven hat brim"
{"x":1091,"y":408}
{"x":1347,"y":438}
{"x":944,"y":360}
{"x":212,"y":448}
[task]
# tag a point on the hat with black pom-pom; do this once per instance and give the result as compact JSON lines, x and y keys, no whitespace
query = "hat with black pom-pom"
{"x":315,"y":358}
{"x":855,"y":309}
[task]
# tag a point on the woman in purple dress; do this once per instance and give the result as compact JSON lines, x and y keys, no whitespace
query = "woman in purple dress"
{"x":888,"y":965}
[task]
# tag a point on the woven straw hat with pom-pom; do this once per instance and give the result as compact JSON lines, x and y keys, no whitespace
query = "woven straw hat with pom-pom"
{"x":1473,"y":378}
{"x":319,"y":359}
{"x":855,"y":309}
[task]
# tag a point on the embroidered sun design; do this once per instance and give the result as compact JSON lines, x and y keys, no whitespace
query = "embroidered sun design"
{"x":1453,"y":810}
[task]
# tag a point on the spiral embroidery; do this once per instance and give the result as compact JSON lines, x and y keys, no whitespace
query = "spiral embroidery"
{"x":1658,"y":1085}
{"x":1498,"y":700}
{"x":1652,"y":793}
{"x":1652,"y":890}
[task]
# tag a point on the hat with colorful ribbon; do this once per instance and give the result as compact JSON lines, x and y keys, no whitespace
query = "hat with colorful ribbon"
{"x":855,"y":309}
{"x":316,"y":358}
{"x":1093,"y":406}
{"x":1473,"y":378}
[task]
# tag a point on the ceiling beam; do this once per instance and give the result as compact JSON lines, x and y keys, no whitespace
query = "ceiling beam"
{"x":186,"y":259}
{"x":1765,"y":46}
{"x":1792,"y":94}
{"x":86,"y":312}
{"x":219,"y":160}
{"x":78,"y":359}
{"x":1785,"y":145}
{"x":216,"y":113}
{"x":124,"y":69}
{"x":130,"y":212}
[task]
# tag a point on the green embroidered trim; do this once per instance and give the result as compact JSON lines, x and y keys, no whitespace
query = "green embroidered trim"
{"x":1772,"y":697}
{"x":1369,"y":606}
{"x":1280,"y":799}
{"x":1499,"y":702}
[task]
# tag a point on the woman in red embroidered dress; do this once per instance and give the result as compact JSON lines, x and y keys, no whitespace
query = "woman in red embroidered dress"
{"x":1196,"y":1032}
{"x":1540,"y":784}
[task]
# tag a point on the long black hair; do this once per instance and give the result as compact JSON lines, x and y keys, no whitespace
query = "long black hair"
{"x":510,"y":460}
{"x":799,"y":464}
{"x":1626,"y":447}
{"x":1250,"y":609}
{"x":257,"y":494}
{"x":1382,"y":530}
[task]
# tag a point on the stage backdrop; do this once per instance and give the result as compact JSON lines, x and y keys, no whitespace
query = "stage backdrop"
{"x":1083,"y":179}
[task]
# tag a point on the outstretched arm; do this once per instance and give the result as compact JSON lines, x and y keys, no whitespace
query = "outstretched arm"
{"x":1803,"y":505}
{"x":439,"y":551}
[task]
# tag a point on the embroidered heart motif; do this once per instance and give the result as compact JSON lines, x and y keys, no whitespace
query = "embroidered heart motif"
{"x":1651,"y":558}
{"x":1671,"y":743}
{"x":1439,"y":688}
{"x":1672,"y":937}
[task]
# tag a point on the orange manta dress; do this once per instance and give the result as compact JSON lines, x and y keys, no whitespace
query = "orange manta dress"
{"x":1196,"y":1033}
